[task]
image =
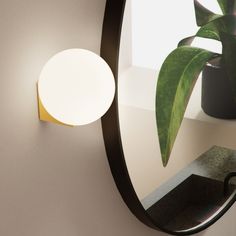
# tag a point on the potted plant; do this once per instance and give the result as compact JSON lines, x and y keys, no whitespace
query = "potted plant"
{"x":182,"y":67}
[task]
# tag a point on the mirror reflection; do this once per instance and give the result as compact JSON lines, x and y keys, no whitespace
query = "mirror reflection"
{"x":202,"y":155}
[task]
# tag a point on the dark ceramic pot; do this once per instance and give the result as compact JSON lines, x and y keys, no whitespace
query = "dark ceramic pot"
{"x":217,"y":94}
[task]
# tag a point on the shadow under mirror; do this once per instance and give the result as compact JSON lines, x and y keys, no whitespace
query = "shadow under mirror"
{"x":189,"y":194}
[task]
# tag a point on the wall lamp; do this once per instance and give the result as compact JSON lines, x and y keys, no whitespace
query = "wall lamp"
{"x":75,"y":87}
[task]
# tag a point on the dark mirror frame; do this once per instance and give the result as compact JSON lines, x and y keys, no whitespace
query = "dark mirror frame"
{"x":110,"y":45}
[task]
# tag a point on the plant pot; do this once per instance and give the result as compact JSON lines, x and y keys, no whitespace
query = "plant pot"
{"x":217,"y":94}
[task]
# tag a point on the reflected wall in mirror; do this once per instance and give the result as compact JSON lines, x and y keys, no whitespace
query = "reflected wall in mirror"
{"x":186,"y":196}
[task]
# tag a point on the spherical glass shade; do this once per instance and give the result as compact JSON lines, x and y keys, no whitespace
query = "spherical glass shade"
{"x":76,"y":87}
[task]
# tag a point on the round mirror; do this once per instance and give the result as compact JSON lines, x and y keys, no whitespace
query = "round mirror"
{"x":192,"y":191}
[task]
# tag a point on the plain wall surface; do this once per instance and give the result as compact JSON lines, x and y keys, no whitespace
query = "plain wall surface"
{"x":55,"y":180}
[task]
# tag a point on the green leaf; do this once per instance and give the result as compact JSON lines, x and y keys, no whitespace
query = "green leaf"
{"x":223,"y":5}
{"x":203,"y":15}
{"x":227,"y":6}
{"x":212,"y":30}
{"x":209,"y":31}
{"x":177,"y":77}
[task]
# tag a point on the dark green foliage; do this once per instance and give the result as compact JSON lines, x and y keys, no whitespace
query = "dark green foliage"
{"x":174,"y":86}
{"x":227,"y":6}
{"x":203,"y":15}
{"x":181,"y":68}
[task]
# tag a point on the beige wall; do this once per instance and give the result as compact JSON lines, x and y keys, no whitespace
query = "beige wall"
{"x":125,"y":57}
{"x":54,"y":180}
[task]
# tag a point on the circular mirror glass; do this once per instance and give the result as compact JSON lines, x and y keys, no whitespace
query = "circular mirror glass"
{"x":188,"y":192}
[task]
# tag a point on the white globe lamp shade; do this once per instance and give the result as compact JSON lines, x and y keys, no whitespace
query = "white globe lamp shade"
{"x":75,"y":87}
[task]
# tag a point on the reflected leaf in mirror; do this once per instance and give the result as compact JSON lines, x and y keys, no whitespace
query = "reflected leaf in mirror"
{"x":203,"y":15}
{"x":182,"y":67}
{"x":227,"y":6}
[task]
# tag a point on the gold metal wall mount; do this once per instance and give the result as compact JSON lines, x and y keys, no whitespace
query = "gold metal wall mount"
{"x":44,"y":115}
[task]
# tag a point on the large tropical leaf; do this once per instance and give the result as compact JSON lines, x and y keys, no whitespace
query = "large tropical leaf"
{"x":203,"y":15}
{"x":175,"y":83}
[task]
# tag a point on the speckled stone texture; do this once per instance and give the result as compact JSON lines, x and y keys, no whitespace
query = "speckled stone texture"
{"x":217,"y":163}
